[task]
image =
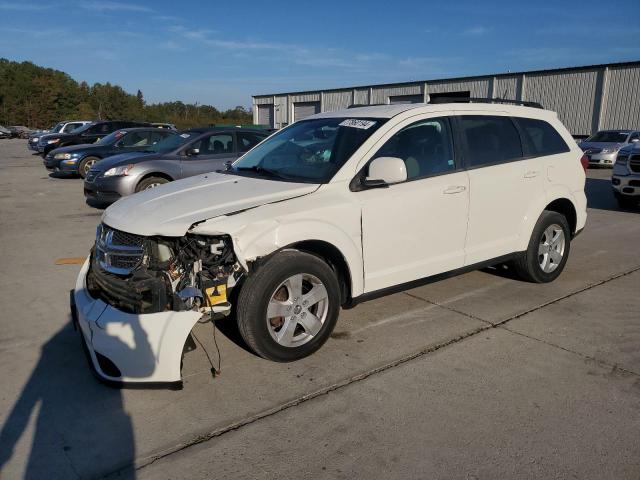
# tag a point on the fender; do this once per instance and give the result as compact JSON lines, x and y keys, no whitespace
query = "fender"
{"x":553,"y":192}
{"x":252,"y":240}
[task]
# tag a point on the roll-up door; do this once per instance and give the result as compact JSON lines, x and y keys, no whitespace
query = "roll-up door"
{"x":305,"y":109}
{"x":265,"y":115}
{"x":406,"y":99}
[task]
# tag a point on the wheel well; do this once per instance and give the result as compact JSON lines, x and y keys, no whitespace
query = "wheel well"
{"x":155,"y":174}
{"x":565,"y":207}
{"x":334,"y":258}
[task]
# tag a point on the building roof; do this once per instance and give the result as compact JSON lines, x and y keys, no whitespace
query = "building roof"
{"x":463,"y":78}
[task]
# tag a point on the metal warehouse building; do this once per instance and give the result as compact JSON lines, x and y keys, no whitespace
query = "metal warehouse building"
{"x":587,"y":99}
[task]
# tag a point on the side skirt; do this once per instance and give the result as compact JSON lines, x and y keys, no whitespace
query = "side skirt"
{"x":365,"y":297}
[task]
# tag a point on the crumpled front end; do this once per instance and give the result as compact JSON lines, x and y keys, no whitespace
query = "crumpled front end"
{"x":137,"y":299}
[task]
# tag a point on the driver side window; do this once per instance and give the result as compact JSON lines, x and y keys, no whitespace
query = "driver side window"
{"x":424,"y":146}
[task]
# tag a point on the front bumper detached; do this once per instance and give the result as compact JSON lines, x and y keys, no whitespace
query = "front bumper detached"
{"x":129,"y":349}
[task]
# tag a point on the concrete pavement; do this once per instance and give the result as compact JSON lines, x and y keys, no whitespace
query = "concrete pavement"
{"x":477,"y":376}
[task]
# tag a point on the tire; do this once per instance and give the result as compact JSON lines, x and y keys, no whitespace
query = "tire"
{"x":85,"y":165}
{"x":534,"y":266}
{"x":150,"y":182}
{"x":271,"y":289}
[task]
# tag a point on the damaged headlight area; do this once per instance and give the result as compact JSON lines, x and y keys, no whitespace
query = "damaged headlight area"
{"x":138,"y":274}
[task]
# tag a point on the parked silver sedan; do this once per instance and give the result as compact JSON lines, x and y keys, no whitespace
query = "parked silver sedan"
{"x":190,"y":153}
{"x":602,"y":148}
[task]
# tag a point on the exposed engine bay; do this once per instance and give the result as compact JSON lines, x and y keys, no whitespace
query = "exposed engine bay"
{"x":138,"y":274}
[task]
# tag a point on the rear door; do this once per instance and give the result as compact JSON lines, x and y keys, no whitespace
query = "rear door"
{"x":208,"y":154}
{"x":502,"y":182}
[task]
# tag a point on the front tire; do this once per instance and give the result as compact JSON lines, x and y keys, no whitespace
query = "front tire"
{"x":287,"y":309}
{"x":548,"y":249}
{"x":150,"y":182}
{"x":85,"y":165}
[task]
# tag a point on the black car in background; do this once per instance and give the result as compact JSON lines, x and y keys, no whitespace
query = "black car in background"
{"x":78,"y":159}
{"x":90,"y":133}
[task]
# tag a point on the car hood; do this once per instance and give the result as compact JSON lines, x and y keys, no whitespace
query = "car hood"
{"x":171,"y":209}
{"x":123,"y":159}
{"x":585,"y":145}
{"x":76,"y":148}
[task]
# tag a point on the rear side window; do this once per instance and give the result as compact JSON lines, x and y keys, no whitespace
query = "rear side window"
{"x":489,"y":140}
{"x":540,"y":138}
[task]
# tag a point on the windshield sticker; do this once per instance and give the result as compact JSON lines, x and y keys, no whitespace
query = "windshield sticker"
{"x":185,"y":135}
{"x":357,"y":123}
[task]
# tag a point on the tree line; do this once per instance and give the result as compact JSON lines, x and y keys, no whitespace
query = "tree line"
{"x":40,"y":97}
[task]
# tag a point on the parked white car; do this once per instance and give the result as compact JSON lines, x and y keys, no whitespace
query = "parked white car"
{"x":328,"y":212}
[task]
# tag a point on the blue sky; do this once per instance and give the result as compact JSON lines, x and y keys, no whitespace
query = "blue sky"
{"x":221,"y":53}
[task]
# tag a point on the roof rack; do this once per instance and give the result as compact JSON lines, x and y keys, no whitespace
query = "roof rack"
{"x":484,"y":100}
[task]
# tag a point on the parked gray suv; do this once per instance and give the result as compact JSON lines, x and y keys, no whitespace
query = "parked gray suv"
{"x":192,"y":152}
{"x":602,"y":147}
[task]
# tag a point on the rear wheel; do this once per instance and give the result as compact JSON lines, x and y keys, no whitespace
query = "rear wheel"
{"x":151,"y":182}
{"x":287,"y":309}
{"x":547,"y":251}
{"x":85,"y":165}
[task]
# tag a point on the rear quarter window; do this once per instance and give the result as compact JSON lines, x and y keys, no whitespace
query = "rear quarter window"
{"x":540,"y":138}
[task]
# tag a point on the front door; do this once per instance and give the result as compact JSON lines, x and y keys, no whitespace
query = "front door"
{"x":417,"y":228}
{"x":208,"y":154}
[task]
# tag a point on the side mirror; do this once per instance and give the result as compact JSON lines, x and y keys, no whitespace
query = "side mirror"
{"x":385,"y":171}
{"x":192,"y":152}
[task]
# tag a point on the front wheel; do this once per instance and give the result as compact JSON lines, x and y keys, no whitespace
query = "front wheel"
{"x":151,"y":182}
{"x":287,"y":309}
{"x":85,"y":165}
{"x":547,"y":251}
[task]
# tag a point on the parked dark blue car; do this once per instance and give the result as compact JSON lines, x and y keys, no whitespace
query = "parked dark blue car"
{"x":78,"y":159}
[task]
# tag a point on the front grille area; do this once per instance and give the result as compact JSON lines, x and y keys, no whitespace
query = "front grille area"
{"x":118,"y":252}
{"x":634,"y":163}
{"x":143,"y":292}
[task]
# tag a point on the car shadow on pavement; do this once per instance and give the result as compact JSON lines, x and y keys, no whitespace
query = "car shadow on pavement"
{"x":600,"y":196}
{"x":68,"y":176}
{"x":78,"y":426}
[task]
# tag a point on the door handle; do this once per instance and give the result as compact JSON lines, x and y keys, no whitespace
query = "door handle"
{"x":531,"y":174}
{"x":454,"y":189}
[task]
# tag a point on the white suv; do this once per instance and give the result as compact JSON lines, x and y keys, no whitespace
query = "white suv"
{"x":328,"y":212}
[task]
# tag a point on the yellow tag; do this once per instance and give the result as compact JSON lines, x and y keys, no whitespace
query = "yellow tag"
{"x":217,"y":294}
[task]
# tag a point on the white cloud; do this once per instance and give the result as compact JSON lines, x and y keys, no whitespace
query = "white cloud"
{"x":105,"y":6}
{"x":23,"y":7}
{"x":476,"y":31}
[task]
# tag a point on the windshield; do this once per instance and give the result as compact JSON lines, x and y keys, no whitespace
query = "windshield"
{"x":171,"y":142}
{"x":309,"y":151}
{"x":610,"y":137}
{"x":56,"y":127}
{"x":83,"y":128}
{"x":110,"y":139}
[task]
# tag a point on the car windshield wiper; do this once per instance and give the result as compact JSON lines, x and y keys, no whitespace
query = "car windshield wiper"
{"x":259,"y":169}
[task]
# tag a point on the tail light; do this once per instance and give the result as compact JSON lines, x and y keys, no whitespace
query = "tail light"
{"x":585,"y":162}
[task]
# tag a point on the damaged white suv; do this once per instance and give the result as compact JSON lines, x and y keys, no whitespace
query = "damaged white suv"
{"x":330,"y":211}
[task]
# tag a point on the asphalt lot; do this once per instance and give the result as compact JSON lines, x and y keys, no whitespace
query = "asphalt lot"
{"x":478,"y":376}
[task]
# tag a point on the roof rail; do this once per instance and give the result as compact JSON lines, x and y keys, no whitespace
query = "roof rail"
{"x":358,"y":105}
{"x":484,"y":100}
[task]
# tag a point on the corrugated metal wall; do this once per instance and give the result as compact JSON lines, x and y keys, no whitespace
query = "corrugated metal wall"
{"x":478,"y":88}
{"x":621,"y":106}
{"x":586,"y":98}
{"x":381,"y":94}
{"x":337,"y":100}
{"x":362,"y":96}
{"x":571,"y":95}
{"x":505,"y":87}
